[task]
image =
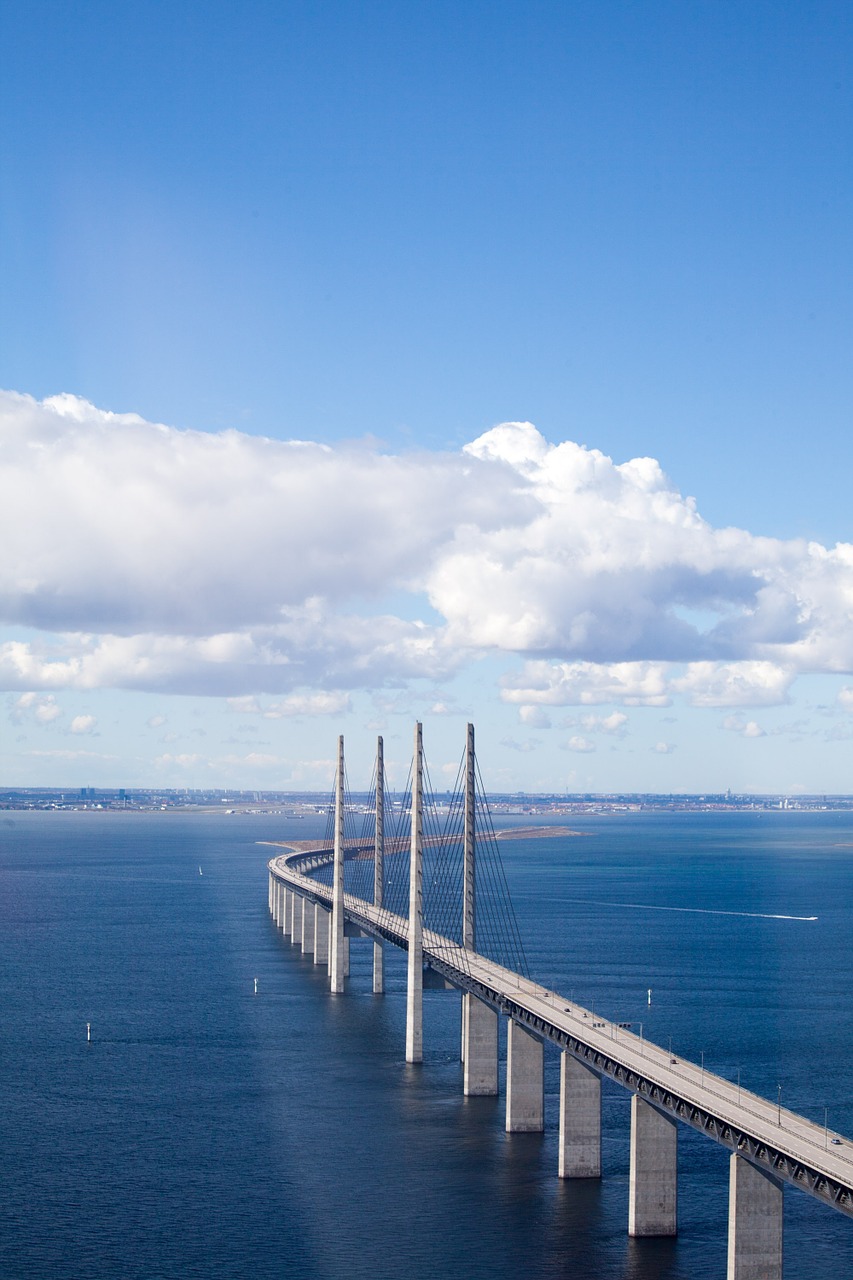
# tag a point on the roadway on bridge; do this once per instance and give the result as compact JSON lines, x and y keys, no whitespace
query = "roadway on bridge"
{"x":556,"y":1019}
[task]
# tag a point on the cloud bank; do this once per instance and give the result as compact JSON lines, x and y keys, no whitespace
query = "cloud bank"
{"x":147,"y":557}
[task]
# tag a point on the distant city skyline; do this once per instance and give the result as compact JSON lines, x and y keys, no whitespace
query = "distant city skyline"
{"x":368,"y":364}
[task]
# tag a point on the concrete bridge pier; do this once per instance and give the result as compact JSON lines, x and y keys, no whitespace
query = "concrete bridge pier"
{"x":378,"y":969}
{"x":653,"y":1178}
{"x":415,"y":964}
{"x":480,"y":1048}
{"x":296,"y":918}
{"x":525,"y":1081}
{"x":307,"y":939}
{"x":580,"y":1120}
{"x":379,"y":864}
{"x":755,"y":1222}
{"x":344,"y":951}
{"x":336,"y":936}
{"x":286,"y":910}
{"x":321,"y":935}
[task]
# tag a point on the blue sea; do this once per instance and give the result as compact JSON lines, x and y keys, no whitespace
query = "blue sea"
{"x":208,"y":1131}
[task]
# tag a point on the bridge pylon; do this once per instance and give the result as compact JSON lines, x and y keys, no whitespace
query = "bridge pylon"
{"x":337,"y":959}
{"x":479,"y":1020}
{"x":379,"y":863}
{"x":415,"y":976}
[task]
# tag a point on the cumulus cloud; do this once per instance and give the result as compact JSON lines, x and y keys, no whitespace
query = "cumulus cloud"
{"x":633,"y":684}
{"x":296,"y":704}
{"x":42,"y":708}
{"x":649,"y":684}
{"x":196,"y":533}
{"x":613,"y":724}
{"x":83,"y":724}
{"x":528,"y":744}
{"x":535,"y":717}
{"x":746,"y":728}
{"x":578,"y":743}
{"x":845,"y":698}
{"x":181,"y":561}
{"x":664,"y":748}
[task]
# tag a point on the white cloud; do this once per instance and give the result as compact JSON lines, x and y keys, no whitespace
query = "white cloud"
{"x":527,"y":745}
{"x":83,"y":724}
{"x":845,"y":698}
{"x":236,"y":565}
{"x":746,"y":728}
{"x":735,"y":684}
{"x":664,"y":748}
{"x":43,"y":708}
{"x":184,"y":760}
{"x":59,"y":753}
{"x":310,"y":704}
{"x":650,"y":684}
{"x":612,"y":723}
{"x":633,"y":684}
{"x":535,"y":717}
{"x":205,"y":534}
{"x":578,"y":743}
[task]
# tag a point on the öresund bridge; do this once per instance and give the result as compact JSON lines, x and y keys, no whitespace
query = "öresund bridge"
{"x":446,"y":906}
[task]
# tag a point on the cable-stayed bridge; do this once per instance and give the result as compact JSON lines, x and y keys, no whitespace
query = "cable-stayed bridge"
{"x":431,"y":883}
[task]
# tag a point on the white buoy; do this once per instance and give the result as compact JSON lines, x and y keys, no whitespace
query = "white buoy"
{"x":256,"y":986}
{"x":650,"y":995}
{"x":88,"y":1032}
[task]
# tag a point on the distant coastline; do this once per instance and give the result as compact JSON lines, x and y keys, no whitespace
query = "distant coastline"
{"x":308,"y":804}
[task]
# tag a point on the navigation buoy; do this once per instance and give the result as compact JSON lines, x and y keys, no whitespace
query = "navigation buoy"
{"x":256,"y":986}
{"x":88,"y":1033}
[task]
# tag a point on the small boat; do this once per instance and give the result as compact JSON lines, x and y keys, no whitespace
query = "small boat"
{"x":200,"y":872}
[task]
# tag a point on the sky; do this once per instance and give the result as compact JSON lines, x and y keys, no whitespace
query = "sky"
{"x":366,"y":362}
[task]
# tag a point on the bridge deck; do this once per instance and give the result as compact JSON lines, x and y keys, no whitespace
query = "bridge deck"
{"x":793,"y":1148}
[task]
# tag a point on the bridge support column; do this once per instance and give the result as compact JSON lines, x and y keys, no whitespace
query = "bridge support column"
{"x":415,"y":972}
{"x":296,"y":918}
{"x":321,"y":935}
{"x":286,"y":910}
{"x":755,"y":1222}
{"x":336,"y":939}
{"x":378,"y":969}
{"x":379,"y":864}
{"x":580,"y":1120}
{"x":270,"y":892}
{"x":344,"y":951}
{"x":281,"y":913}
{"x":480,"y":1040}
{"x":653,"y":1180}
{"x":525,"y":1081}
{"x":308,"y":928}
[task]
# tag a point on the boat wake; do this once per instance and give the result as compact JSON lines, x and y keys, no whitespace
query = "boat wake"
{"x":699,"y":911}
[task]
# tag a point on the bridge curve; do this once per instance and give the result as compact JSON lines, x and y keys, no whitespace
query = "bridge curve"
{"x":770,"y":1145}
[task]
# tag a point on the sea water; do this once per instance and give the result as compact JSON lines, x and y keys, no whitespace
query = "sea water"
{"x":210,"y":1131}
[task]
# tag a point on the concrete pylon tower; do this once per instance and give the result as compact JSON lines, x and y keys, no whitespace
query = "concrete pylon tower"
{"x":379,"y":864}
{"x":479,"y":1022}
{"x":337,"y":960}
{"x":415,"y":984}
{"x":469,"y":930}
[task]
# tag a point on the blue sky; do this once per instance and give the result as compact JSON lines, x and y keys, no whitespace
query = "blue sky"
{"x":384,"y":230}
